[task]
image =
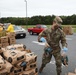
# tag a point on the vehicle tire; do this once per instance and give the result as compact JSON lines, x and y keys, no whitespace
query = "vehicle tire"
{"x":37,"y":33}
{"x":24,"y":35}
{"x":31,"y":33}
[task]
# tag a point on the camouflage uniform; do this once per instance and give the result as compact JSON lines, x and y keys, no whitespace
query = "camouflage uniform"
{"x":53,"y":38}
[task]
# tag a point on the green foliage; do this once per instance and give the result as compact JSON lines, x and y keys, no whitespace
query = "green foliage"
{"x":47,"y":20}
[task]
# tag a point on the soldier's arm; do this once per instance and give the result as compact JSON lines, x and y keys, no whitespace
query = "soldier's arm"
{"x":42,"y":34}
{"x":63,"y":40}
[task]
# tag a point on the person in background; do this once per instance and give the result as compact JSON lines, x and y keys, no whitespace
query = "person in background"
{"x":1,"y":27}
{"x":10,"y":28}
{"x":54,"y":36}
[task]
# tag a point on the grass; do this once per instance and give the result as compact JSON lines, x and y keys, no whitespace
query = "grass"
{"x":74,"y":30}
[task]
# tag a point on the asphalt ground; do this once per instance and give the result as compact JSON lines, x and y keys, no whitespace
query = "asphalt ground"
{"x":31,"y":43}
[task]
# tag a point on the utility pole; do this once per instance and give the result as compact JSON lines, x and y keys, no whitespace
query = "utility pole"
{"x":26,"y":13}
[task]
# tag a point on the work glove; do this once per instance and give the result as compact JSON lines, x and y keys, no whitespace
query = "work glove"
{"x":65,"y":49}
{"x":42,"y":39}
{"x":48,"y":49}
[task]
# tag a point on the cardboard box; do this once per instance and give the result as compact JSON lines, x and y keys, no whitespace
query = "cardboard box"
{"x":26,"y":67}
{"x":10,"y":34}
{"x":28,"y":50}
{"x":30,"y":72}
{"x":36,"y":73}
{"x":31,"y":66}
{"x":11,"y":74}
{"x":68,"y":30}
{"x":21,"y":64}
{"x":31,"y":58}
{"x":30,"y":61}
{"x":0,"y":45}
{"x":17,"y":71}
{"x":20,"y":47}
{"x":10,"y":47}
{"x":2,"y":63}
{"x":71,"y":73}
{"x":14,"y":56}
{"x":4,"y":39}
{"x":1,"y":50}
{"x":8,"y":68}
{"x":12,"y":40}
{"x":65,"y":30}
{"x":3,"y":73}
{"x":5,"y":44}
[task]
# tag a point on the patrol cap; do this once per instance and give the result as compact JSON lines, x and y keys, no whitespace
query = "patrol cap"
{"x":58,"y":20}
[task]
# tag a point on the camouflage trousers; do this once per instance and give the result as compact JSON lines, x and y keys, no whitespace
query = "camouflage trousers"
{"x":47,"y":58}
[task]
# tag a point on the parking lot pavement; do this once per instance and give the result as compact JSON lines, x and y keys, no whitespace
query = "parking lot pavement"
{"x":31,"y":43}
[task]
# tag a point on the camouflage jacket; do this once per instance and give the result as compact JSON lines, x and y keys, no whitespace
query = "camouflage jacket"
{"x":54,"y":38}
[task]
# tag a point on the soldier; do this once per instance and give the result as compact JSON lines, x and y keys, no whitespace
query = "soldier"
{"x":54,"y":35}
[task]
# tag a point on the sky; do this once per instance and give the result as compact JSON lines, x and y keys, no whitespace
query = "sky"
{"x":17,"y":8}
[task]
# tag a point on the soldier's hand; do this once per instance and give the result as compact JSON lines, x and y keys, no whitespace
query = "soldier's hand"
{"x":65,"y":49}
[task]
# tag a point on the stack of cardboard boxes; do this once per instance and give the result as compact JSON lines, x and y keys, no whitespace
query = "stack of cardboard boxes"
{"x":17,"y":60}
{"x":11,"y":38}
{"x":5,"y":66}
{"x":68,"y":30}
{"x":4,"y":41}
{"x":7,"y":39}
{"x":14,"y":58}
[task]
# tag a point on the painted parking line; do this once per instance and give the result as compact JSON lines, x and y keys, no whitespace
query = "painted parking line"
{"x":42,"y":43}
{"x":68,"y":38}
{"x":53,"y":62}
{"x":39,"y":43}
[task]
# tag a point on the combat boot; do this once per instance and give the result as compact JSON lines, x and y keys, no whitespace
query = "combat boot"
{"x":41,"y":68}
{"x":58,"y":73}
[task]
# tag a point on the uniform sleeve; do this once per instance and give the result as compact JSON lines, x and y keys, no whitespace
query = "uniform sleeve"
{"x":42,"y":34}
{"x":63,"y":40}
